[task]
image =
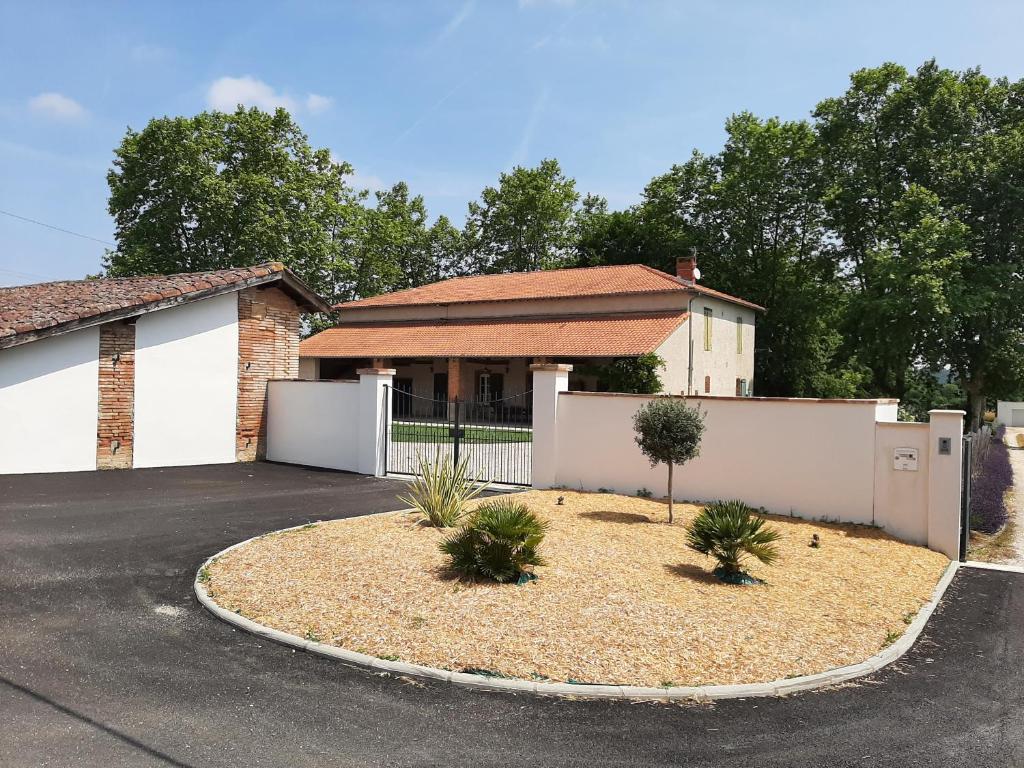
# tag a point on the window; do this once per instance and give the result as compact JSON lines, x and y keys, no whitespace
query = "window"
{"x":707,"y":329}
{"x":742,"y":389}
{"x":707,"y":385}
{"x":739,"y":335}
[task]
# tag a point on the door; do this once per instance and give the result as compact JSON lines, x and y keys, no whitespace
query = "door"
{"x":401,"y":402}
{"x":440,"y":395}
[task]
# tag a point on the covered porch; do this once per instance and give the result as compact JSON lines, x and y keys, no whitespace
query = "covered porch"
{"x":495,"y":387}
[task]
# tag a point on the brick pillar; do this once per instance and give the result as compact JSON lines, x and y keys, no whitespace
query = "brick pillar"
{"x":115,"y":425}
{"x":268,"y":348}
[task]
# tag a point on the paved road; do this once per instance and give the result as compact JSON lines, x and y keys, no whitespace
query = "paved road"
{"x":107,"y":660}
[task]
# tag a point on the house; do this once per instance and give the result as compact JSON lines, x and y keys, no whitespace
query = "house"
{"x":145,"y":371}
{"x":474,"y":338}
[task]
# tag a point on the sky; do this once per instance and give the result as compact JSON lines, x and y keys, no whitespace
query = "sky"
{"x":442,"y":94}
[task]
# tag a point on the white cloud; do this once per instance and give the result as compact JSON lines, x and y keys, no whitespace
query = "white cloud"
{"x":226,"y":93}
{"x":316,"y":103}
{"x":57,"y":106}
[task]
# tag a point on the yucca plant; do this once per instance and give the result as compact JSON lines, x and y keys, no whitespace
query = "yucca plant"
{"x":442,"y":489}
{"x":499,"y":541}
{"x":730,"y":531}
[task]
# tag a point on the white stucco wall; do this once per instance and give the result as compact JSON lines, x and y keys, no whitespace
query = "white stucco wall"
{"x":808,"y":458}
{"x":49,"y":404}
{"x":314,"y":423}
{"x":1010,"y":413}
{"x":186,"y":384}
{"x":901,"y":496}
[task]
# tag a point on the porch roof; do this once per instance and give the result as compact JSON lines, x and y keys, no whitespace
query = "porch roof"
{"x":620,"y":335}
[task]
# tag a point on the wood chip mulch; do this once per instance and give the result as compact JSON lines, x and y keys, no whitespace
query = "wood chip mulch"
{"x":622,"y":600}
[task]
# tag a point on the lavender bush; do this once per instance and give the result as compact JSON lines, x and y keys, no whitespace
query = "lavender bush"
{"x":992,"y":478}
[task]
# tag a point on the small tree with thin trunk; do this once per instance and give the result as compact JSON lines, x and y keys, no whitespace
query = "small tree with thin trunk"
{"x":669,"y":431}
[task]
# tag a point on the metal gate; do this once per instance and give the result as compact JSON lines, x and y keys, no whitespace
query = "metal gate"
{"x":494,"y":435}
{"x":966,"y":474}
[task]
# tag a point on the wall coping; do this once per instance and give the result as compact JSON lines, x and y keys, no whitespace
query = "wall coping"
{"x":839,"y":401}
{"x":551,"y":367}
{"x":316,"y":381}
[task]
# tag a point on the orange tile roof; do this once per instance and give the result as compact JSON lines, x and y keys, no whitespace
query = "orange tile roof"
{"x":547,"y":284}
{"x":565,"y":336}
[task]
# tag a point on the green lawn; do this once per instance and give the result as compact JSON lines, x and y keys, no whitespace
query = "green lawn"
{"x":440,"y":433}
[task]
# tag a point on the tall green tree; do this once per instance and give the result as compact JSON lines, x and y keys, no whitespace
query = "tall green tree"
{"x":525,"y":223}
{"x":753,"y":214}
{"x":924,"y":178}
{"x":219,"y":190}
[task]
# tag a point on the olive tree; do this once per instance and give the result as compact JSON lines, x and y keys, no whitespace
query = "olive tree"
{"x":668,"y":431}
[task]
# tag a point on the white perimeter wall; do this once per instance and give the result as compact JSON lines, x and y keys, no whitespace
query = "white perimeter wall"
{"x":313,"y":423}
{"x":901,"y":497}
{"x":810,"y":458}
{"x":186,"y":384}
{"x":48,"y":404}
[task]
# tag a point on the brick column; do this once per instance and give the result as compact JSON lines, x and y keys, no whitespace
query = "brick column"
{"x":268,"y":348}
{"x":115,"y":425}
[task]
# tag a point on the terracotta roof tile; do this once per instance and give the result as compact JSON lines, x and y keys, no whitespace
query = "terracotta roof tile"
{"x":612,"y":280}
{"x":552,"y":283}
{"x":28,"y":308}
{"x":565,"y":336}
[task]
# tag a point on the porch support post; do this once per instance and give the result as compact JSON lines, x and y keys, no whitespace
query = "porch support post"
{"x":371,"y":420}
{"x":549,"y":381}
{"x":454,"y":378}
{"x":945,"y":481}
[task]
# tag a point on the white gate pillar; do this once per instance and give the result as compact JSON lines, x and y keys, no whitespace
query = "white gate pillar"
{"x":374,"y":386}
{"x":945,"y":464}
{"x":549,"y":380}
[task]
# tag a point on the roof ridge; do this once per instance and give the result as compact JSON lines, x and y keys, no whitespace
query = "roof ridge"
{"x":273,"y":266}
{"x":632,"y":315}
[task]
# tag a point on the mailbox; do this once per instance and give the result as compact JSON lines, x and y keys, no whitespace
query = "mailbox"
{"x":904,"y":459}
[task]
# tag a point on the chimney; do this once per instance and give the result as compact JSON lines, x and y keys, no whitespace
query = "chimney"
{"x":686,"y":267}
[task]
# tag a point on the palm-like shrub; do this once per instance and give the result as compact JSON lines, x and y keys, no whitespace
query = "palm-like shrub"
{"x":441,"y":490}
{"x":730,"y":531}
{"x":499,"y":541}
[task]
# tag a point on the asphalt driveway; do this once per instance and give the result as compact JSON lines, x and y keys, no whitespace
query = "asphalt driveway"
{"x":106,"y":659}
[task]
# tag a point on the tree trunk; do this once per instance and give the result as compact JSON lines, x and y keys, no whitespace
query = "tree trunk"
{"x":975,"y":404}
{"x":670,"y":493}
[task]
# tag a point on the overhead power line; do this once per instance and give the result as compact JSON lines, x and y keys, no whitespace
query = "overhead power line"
{"x":57,"y":229}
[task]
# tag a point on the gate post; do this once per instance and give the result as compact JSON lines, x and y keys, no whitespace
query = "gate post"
{"x":371,"y":427}
{"x":945,"y":459}
{"x":549,"y":380}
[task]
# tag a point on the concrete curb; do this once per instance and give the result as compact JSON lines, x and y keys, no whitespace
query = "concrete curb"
{"x":628,"y":692}
{"x":992,"y":566}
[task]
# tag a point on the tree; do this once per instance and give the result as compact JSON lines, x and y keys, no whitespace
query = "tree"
{"x":225,"y":190}
{"x":524,"y":224}
{"x":395,"y":251}
{"x":924,"y":173}
{"x":754,"y":215}
{"x":635,"y":375}
{"x":668,"y":431}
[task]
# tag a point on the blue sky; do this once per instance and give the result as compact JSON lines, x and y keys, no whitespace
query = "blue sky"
{"x":443,"y":94}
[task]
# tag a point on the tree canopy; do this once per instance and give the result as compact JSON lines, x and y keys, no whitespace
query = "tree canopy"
{"x":885,"y":233}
